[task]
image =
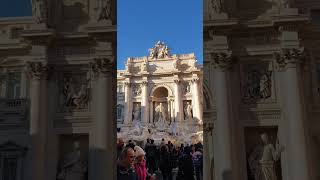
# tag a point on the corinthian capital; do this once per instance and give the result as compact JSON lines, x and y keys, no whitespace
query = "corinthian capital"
{"x":222,"y":60}
{"x":103,"y":66}
{"x":195,"y":78}
{"x":128,"y":84}
{"x":144,"y":83}
{"x":289,"y":57}
{"x":37,"y":70}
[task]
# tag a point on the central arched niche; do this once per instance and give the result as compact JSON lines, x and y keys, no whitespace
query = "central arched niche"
{"x":161,"y":92}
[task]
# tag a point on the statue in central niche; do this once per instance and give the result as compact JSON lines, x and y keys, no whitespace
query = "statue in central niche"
{"x":160,"y":117}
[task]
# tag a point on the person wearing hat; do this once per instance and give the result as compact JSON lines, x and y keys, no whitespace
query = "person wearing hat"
{"x":140,"y":165}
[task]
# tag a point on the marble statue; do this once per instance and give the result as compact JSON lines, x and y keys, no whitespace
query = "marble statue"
{"x":265,"y":86}
{"x":161,"y":117}
{"x":188,"y":112}
{"x":39,"y":10}
{"x":103,"y":10}
{"x":73,"y":167}
{"x":80,"y":99}
{"x":217,"y":6}
{"x":152,"y":53}
{"x":144,"y":66}
{"x":159,"y":51}
{"x":68,"y":91}
{"x":136,"y":113}
{"x":262,"y":160}
{"x":284,"y":3}
{"x":166,"y":52}
{"x":252,"y":85}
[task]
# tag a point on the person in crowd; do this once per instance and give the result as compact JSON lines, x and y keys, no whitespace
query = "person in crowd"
{"x":164,"y":163}
{"x":125,"y":169}
{"x":130,"y":144}
{"x":120,"y":146}
{"x":197,"y":159}
{"x":174,"y":156}
{"x":152,"y":152}
{"x":186,"y":171}
{"x":181,"y":148}
{"x":140,"y":165}
{"x":162,"y":142}
{"x":147,"y":150}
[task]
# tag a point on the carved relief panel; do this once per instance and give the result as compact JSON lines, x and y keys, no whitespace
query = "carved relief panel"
{"x":257,"y":83}
{"x":74,"y":92}
{"x":263,"y":153}
{"x":136,"y":89}
{"x":74,"y":13}
{"x":186,"y":88}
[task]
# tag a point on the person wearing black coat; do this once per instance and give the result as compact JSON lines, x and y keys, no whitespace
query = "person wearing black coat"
{"x":152,"y":157}
{"x":186,"y":170}
{"x":164,"y":164}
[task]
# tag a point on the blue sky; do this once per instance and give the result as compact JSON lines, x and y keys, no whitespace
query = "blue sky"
{"x":141,"y":23}
{"x":13,"y":8}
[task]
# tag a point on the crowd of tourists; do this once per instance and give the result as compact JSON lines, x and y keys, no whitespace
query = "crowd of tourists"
{"x":165,"y":160}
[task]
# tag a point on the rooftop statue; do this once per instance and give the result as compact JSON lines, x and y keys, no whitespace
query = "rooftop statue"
{"x":39,"y":10}
{"x":160,"y":50}
{"x":103,"y":10}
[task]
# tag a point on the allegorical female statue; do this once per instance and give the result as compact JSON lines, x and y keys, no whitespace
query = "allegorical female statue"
{"x":188,"y":112}
{"x":136,"y":113}
{"x":73,"y":167}
{"x":262,"y":160}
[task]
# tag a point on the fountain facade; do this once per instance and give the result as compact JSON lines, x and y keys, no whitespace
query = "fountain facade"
{"x":160,"y":96}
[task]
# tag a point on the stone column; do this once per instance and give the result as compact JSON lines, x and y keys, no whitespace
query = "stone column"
{"x":105,"y":119}
{"x":295,"y":142}
{"x":178,"y":102}
{"x":37,"y":72}
{"x":151,"y":112}
{"x":23,"y":86}
{"x":197,"y":110}
{"x":207,"y":139}
{"x":171,"y":110}
{"x":223,"y":141}
{"x":145,"y":103}
{"x":127,"y":103}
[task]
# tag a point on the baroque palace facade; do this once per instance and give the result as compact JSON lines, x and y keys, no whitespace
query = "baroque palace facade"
{"x":160,"y":96}
{"x":262,"y":67}
{"x":56,"y":114}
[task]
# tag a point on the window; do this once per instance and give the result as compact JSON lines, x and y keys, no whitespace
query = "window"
{"x":315,"y":17}
{"x":119,"y":111}
{"x":10,"y":85}
{"x":11,"y":157}
{"x":9,"y":168}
